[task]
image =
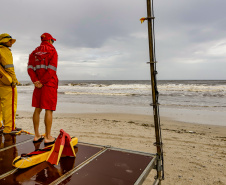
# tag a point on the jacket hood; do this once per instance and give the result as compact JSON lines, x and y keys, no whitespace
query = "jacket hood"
{"x":5,"y":37}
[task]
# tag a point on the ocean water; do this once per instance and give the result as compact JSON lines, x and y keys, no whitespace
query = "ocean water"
{"x":184,"y":100}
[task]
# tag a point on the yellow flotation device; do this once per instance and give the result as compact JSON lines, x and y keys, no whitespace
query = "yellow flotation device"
{"x":36,"y":157}
{"x":5,"y":77}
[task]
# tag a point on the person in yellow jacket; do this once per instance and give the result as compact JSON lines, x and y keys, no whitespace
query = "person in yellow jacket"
{"x":8,"y":93}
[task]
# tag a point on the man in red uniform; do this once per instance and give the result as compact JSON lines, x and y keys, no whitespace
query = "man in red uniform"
{"x":42,"y":67}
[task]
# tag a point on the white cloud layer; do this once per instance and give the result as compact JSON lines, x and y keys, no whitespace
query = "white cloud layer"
{"x":104,"y":40}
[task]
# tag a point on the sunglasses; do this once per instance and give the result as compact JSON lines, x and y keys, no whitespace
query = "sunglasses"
{"x":7,"y":37}
{"x":52,"y":40}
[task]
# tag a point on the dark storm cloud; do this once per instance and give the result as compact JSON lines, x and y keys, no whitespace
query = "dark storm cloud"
{"x":75,"y":23}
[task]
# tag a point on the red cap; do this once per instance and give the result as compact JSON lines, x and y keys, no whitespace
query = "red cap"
{"x":47,"y":36}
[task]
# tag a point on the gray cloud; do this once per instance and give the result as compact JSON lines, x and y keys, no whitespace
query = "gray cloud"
{"x":98,"y":39}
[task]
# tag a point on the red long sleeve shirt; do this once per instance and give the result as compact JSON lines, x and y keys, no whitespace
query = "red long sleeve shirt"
{"x":42,"y":65}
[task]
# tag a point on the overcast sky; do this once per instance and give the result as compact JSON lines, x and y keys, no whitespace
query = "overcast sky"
{"x":104,"y":39}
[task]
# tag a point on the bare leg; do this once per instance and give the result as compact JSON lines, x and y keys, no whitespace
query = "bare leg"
{"x":48,"y":124}
{"x":36,"y":118}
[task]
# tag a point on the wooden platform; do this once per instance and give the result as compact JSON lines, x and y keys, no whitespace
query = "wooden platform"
{"x":94,"y":164}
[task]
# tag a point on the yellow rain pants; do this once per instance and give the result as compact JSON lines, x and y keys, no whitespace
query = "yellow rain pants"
{"x":8,"y":102}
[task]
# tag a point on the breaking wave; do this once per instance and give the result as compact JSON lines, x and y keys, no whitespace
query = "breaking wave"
{"x":187,"y":94}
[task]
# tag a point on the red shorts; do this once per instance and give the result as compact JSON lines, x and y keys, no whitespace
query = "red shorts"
{"x":45,"y":98}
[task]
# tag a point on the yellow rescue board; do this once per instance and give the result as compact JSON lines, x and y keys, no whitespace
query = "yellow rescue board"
{"x":5,"y":77}
{"x":26,"y":162}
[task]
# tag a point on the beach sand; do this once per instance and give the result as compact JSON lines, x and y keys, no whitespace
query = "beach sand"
{"x":193,"y":153}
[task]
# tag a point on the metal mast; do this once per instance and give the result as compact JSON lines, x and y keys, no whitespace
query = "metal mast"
{"x":155,"y":104}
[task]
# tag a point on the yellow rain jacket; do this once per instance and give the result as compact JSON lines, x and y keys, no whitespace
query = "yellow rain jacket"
{"x":8,"y":95}
{"x":6,"y":60}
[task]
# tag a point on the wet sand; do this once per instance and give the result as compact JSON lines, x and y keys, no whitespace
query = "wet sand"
{"x":193,"y":153}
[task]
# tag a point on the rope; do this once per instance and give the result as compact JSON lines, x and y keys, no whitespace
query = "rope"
{"x":24,"y":131}
{"x":28,"y":159}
